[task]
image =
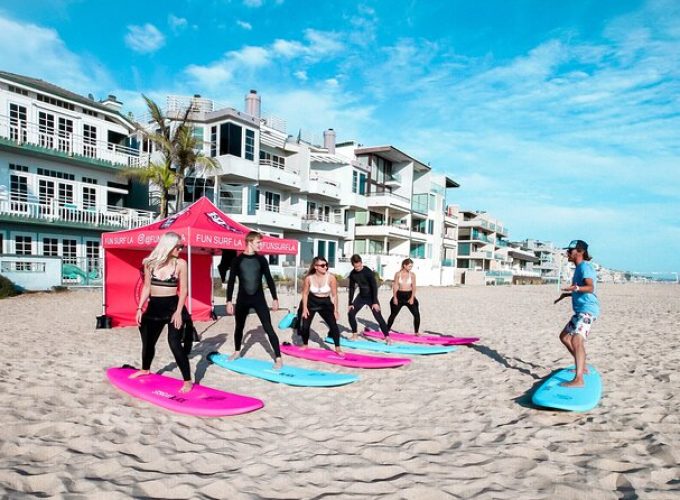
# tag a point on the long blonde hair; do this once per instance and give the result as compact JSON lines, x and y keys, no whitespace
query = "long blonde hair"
{"x":161,"y":254}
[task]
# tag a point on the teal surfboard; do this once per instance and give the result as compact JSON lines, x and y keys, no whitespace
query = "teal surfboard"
{"x":367,"y":345}
{"x":289,"y":375}
{"x":552,"y":395}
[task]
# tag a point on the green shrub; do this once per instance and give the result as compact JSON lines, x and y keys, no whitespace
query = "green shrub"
{"x":7,"y":288}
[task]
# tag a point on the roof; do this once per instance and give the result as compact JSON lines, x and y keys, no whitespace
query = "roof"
{"x":43,"y":86}
{"x":202,"y":226}
{"x":523,"y":256}
{"x":391,"y":153}
{"x":328,"y":158}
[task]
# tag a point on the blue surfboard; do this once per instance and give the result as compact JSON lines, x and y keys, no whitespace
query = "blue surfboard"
{"x":552,"y":395}
{"x":289,"y":375}
{"x":367,"y":345}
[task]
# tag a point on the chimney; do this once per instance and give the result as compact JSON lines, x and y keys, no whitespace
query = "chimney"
{"x":253,"y":104}
{"x":112,"y":103}
{"x":329,"y":140}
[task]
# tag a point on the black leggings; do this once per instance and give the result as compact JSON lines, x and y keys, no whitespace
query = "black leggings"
{"x":158,"y":314}
{"x":358,"y":304}
{"x":324,"y":306}
{"x":244,"y":303}
{"x":402,"y":300}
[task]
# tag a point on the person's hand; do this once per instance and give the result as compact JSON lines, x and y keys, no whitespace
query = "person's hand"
{"x":275,"y":305}
{"x":411,"y":300}
{"x":230,"y":309}
{"x":138,"y":316}
{"x":350,"y":308}
{"x":569,"y":288}
{"x":177,"y":319}
{"x":395,"y":301}
{"x":376,"y":307}
{"x":561,"y":297}
{"x":305,"y":313}
{"x":336,"y":313}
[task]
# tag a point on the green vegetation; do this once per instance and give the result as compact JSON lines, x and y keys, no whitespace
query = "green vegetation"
{"x":7,"y":288}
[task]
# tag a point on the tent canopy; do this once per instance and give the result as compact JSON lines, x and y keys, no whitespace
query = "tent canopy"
{"x":202,"y":226}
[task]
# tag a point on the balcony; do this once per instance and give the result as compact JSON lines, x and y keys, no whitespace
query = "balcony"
{"x":450,"y":240}
{"x":42,"y":141}
{"x":323,"y":185}
{"x":390,"y":200}
{"x":16,"y":209}
{"x":393,"y":180}
{"x":275,"y":173}
{"x":331,"y":225}
{"x":275,"y":216}
{"x":419,"y":204}
{"x":400,"y":231}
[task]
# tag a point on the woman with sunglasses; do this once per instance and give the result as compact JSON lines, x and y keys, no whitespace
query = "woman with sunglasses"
{"x":320,"y":295}
{"x":165,"y":287}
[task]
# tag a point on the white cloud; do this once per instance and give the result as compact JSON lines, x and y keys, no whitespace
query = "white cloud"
{"x":177,"y":24}
{"x":301,"y":75}
{"x":31,"y":50}
{"x":144,"y":39}
{"x":245,"y":25}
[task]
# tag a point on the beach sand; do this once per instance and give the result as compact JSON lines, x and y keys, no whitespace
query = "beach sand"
{"x":452,"y":426}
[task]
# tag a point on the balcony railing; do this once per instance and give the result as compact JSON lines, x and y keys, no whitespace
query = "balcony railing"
{"x":332,"y":218}
{"x":279,"y":165}
{"x":267,"y":207}
{"x":315,"y":176}
{"x":48,"y":139}
{"x":52,"y":211}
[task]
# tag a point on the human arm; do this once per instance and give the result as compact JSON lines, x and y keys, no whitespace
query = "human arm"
{"x":146,"y":291}
{"x":230,"y":284}
{"x":305,"y":297}
{"x":373,"y":285}
{"x":334,"y":297}
{"x":183,"y":292}
{"x":270,"y":282}
{"x":351,"y":287}
{"x":395,"y":287}
{"x":413,"y":289}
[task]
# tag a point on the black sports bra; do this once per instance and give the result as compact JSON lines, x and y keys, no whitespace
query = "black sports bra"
{"x":171,"y":281}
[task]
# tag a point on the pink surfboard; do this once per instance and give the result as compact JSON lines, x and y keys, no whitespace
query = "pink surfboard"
{"x":423,"y":339}
{"x":345,"y":359}
{"x":164,"y":391}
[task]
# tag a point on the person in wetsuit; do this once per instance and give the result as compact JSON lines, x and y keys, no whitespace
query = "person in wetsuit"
{"x":320,"y":295}
{"x":404,"y":294}
{"x":165,"y":287}
{"x":250,"y":268}
{"x":363,"y":277}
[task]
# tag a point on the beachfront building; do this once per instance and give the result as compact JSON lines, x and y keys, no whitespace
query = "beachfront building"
{"x":482,"y":249}
{"x":551,"y":259}
{"x":523,"y":262}
{"x":61,"y":158}
{"x":336,"y":199}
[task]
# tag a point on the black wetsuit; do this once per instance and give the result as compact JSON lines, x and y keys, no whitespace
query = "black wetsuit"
{"x":158,"y":314}
{"x":368,"y":295}
{"x":250,"y":269}
{"x":326,"y":309}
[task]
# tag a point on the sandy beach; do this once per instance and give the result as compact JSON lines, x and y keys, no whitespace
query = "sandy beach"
{"x":453,"y":426}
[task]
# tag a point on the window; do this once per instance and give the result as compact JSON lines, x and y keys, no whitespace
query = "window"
{"x":312,"y":210}
{"x":90,"y":180}
{"x":50,"y":247}
{"x":89,"y":197}
{"x":2,"y":241}
{"x":355,"y":181}
{"x":56,"y":102}
{"x":198,"y":135}
{"x":46,"y":129}
{"x":56,"y":174}
{"x":89,"y":141}
{"x":18,"y":192}
{"x":267,"y":158}
{"x":230,"y":139}
{"x":23,"y":245}
{"x":69,"y":251}
{"x":250,"y":145}
{"x":213,"y":141}
{"x":92,"y":255}
{"x":17,"y":90}
{"x":18,"y":123}
{"x":45,"y":194}
{"x":65,"y":194}
{"x":430,"y":227}
{"x":272,"y":201}
{"x":64,"y":141}
{"x":231,"y":198}
{"x":362,"y":183}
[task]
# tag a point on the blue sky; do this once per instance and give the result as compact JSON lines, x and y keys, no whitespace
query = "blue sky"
{"x":559,"y":118}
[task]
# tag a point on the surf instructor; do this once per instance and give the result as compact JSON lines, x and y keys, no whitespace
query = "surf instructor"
{"x":586,"y":308}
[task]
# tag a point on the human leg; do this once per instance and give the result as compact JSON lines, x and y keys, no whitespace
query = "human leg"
{"x":149,"y":330}
{"x":415,"y":310}
{"x":381,"y":322}
{"x":352,"y":316}
{"x":333,"y":330}
{"x":240,"y":315}
{"x":394,"y":311}
{"x":305,"y":327}
{"x":262,"y":311}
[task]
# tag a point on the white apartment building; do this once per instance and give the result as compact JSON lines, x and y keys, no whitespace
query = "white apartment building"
{"x":61,"y":156}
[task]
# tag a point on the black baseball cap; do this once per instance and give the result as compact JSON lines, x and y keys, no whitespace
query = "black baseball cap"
{"x":578,"y":245}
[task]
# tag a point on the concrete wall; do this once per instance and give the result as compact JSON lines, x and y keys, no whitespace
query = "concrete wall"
{"x":32,"y":272}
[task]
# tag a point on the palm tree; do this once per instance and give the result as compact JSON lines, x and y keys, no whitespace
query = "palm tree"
{"x":158,"y":174}
{"x":178,"y":147}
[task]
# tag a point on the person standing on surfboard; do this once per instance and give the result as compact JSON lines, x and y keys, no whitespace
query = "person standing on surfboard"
{"x":250,"y":267}
{"x":320,"y":295}
{"x":404,"y":294}
{"x":363,"y":277}
{"x":586,"y":308}
{"x":165,"y":274}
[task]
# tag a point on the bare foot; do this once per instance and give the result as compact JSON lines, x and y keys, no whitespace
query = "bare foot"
{"x":303,"y":346}
{"x":354,"y":336}
{"x":236,"y":355}
{"x":418,"y":334}
{"x":139,"y":373}
{"x":388,"y":340}
{"x":186,"y":387}
{"x":574,"y":383}
{"x":585,"y":371}
{"x":278,"y":364}
{"x":339,"y":351}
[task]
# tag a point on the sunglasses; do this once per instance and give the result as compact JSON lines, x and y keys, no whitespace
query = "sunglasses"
{"x":179,"y":247}
{"x":320,"y":265}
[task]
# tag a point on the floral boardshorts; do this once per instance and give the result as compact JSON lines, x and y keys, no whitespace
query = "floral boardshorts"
{"x":580,"y":324}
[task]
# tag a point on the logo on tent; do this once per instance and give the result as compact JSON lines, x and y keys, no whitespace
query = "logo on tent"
{"x":215,"y":217}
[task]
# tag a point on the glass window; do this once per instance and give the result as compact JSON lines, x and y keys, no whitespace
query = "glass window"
{"x":213,"y":141}
{"x":17,"y":123}
{"x":272,"y":201}
{"x":250,"y":144}
{"x":69,"y":251}
{"x":65,"y":194}
{"x":362,"y":184}
{"x":46,"y":129}
{"x":50,"y":246}
{"x":321,"y":248}
{"x":230,"y":139}
{"x":355,"y":181}
{"x":65,"y":136}
{"x":89,"y":197}
{"x":92,"y":254}
{"x":23,"y":245}
{"x":198,"y":135}
{"x":89,"y":140}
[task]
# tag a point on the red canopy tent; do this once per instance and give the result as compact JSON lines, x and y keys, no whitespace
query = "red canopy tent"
{"x":205,"y":230}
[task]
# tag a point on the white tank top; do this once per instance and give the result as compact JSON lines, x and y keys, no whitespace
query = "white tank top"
{"x":405,"y":282}
{"x":319,"y":290}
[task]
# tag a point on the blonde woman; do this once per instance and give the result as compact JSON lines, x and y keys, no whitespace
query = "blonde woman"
{"x":165,"y":287}
{"x":320,"y":295}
